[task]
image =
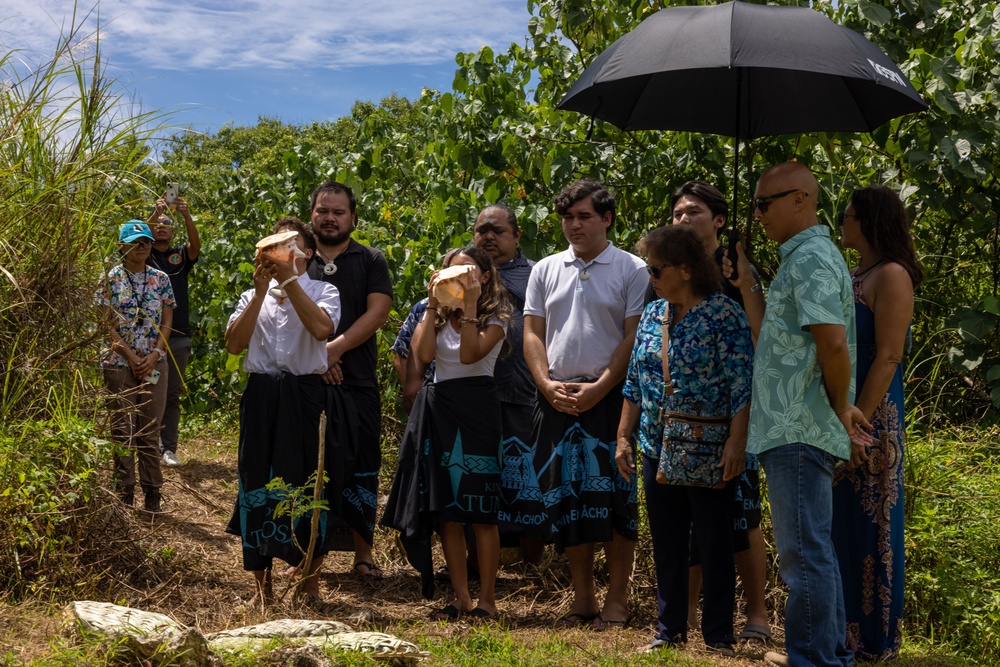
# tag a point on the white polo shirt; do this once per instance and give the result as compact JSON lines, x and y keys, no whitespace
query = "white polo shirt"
{"x":585,"y":317}
{"x":280,"y":342}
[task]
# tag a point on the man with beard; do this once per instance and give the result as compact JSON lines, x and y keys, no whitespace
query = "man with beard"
{"x":361,"y":275}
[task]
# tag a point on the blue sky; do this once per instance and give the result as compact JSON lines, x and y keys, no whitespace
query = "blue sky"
{"x":218,"y":61}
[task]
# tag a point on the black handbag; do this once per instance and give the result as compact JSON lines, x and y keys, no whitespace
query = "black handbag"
{"x":692,"y":444}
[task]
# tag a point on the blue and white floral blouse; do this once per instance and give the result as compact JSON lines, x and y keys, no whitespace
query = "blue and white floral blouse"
{"x":711,"y":365}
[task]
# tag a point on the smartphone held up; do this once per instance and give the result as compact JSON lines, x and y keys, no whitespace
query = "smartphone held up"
{"x":173,"y":190}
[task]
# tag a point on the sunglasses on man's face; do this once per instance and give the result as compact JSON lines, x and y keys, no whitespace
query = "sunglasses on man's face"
{"x":654,"y":269}
{"x":763,"y":203}
{"x":164,"y":223}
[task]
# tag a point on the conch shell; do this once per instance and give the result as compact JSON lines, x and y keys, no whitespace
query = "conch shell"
{"x":280,"y":246}
{"x":449,"y":288}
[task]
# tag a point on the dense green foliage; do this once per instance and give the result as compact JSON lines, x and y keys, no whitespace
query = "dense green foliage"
{"x":70,"y":171}
{"x":953,"y":546}
{"x":422,"y":169}
{"x":71,"y":158}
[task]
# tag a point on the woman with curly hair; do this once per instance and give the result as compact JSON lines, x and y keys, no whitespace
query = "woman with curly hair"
{"x":450,"y":459}
{"x":868,"y":492}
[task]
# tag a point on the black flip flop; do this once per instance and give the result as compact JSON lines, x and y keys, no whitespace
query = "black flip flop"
{"x":449,"y":614}
{"x":575,"y":620}
{"x":374,"y":572}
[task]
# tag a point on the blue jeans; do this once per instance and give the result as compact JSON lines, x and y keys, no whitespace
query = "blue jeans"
{"x":800,"y":493}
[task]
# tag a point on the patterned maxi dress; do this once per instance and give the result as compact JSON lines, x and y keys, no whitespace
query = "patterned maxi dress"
{"x":868,"y":516}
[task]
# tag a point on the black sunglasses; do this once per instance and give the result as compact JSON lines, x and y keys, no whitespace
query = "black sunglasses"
{"x":844,"y":214}
{"x":762,"y":203}
{"x":654,"y":269}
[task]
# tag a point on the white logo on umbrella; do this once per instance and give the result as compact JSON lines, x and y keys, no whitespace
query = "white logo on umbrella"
{"x":887,"y":73}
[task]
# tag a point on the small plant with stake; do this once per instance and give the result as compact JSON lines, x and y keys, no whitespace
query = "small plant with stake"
{"x":296,"y":503}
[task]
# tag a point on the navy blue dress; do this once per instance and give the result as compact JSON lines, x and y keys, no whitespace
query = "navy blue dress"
{"x":868,"y":516}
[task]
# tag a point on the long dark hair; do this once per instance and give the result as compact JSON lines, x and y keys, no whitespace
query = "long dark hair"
{"x":680,"y":245}
{"x":884,"y":225}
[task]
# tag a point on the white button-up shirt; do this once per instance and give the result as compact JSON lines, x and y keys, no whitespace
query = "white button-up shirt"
{"x":280,"y":342}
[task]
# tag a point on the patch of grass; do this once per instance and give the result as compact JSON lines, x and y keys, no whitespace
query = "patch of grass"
{"x":953,"y":545}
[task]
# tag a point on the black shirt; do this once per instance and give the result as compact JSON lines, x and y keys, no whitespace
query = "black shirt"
{"x":514,"y":381}
{"x":176,"y":263}
{"x":361,"y":270}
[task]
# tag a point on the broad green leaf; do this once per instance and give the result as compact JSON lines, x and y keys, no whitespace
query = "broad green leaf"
{"x":877,"y":14}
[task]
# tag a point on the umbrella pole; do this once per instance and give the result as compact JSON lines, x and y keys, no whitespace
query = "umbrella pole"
{"x":734,"y":232}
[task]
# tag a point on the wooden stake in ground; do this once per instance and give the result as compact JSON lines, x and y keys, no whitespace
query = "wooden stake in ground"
{"x":317,"y":492}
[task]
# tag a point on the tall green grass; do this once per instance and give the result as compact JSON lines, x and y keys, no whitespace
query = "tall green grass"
{"x":953,"y":540}
{"x":72,"y":168}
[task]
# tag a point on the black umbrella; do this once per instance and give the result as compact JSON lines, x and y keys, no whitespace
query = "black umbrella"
{"x":745,"y":71}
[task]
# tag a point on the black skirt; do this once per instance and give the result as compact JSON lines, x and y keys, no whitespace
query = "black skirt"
{"x":279,"y":437}
{"x":449,"y":466}
{"x":350,"y":411}
{"x":586,"y":499}
{"x":522,"y":512}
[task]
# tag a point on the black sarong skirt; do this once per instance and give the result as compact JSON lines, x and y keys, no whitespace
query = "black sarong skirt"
{"x":449,"y":465}
{"x":585,"y":497}
{"x":279,"y":437}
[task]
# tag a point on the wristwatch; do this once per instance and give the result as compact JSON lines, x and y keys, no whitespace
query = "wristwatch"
{"x":755,"y":287}
{"x":163,"y":353}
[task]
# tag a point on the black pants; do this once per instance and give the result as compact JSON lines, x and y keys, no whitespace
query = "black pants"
{"x":671,"y":510}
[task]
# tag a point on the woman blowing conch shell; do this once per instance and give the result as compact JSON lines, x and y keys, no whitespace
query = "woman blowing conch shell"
{"x":449,"y":284}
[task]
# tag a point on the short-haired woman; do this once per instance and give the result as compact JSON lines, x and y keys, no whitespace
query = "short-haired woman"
{"x":138,"y":302}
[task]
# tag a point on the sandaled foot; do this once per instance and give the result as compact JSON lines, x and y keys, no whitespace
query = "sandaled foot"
{"x":601,"y":624}
{"x":776,"y":659}
{"x":368,"y":571}
{"x":575,"y":620}
{"x":450,"y":614}
{"x":441,"y":573}
{"x":656,"y":645}
{"x":721,"y":648}
{"x":483,"y":616}
{"x":755,"y":632}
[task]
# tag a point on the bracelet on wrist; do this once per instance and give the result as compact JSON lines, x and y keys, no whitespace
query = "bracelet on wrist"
{"x":468,"y":320}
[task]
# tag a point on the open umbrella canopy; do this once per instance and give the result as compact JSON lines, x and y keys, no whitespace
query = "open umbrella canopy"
{"x":745,"y":71}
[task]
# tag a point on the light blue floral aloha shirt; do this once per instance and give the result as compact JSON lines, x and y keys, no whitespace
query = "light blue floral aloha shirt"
{"x":711,"y":365}
{"x":790,"y":403}
{"x":137,"y":300}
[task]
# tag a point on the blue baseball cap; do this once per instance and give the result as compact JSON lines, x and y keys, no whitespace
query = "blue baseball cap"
{"x":133,"y":230}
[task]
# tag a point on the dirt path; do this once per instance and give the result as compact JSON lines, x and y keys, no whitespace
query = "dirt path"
{"x":206,"y":583}
{"x":198,"y":580}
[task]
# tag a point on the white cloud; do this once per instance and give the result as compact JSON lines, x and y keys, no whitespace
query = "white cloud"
{"x":278,"y":34}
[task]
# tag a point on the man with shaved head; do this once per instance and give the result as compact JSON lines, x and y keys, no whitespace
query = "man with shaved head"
{"x":802,"y":417}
